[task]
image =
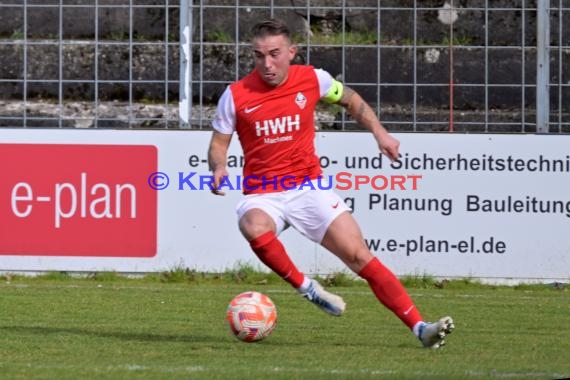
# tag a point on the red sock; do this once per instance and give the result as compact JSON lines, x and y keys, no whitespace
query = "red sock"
{"x":272,"y":253}
{"x":390,"y":291}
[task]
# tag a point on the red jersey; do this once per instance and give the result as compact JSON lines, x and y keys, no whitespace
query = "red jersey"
{"x":275,"y":126}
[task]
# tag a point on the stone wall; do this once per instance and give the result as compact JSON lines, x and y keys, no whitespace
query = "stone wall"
{"x":396,"y":20}
{"x":151,"y":62}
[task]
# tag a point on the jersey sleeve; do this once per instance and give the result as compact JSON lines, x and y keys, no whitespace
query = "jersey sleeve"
{"x":225,"y":118}
{"x":330,"y":89}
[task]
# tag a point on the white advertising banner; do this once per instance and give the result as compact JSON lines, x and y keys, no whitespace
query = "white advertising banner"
{"x":454,"y":205}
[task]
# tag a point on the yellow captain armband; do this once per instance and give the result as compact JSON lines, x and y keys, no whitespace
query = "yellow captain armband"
{"x":335,"y":92}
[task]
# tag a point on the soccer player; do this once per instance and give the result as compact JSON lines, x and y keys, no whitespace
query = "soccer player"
{"x":271,"y":110}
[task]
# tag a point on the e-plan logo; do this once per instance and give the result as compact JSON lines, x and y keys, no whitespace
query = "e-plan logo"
{"x":78,"y":200}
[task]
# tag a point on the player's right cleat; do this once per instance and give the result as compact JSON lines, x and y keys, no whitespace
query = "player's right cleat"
{"x":432,"y":334}
{"x":328,"y":302}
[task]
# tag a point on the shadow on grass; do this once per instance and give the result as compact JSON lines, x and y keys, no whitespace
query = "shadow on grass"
{"x":121,"y":335}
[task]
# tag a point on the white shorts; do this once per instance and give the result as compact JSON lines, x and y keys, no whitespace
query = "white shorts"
{"x":309,"y":211}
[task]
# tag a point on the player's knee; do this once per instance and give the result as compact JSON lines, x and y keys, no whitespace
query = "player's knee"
{"x":252,"y":232}
{"x":252,"y":226}
{"x":357,"y":258}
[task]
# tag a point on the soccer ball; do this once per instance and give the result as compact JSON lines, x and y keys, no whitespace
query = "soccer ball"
{"x":252,"y":316}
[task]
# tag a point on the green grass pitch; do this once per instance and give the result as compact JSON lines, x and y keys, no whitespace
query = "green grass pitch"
{"x":110,"y":327}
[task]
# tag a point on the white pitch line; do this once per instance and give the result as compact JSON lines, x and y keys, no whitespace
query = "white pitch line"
{"x":168,"y":288}
{"x":284,"y":370}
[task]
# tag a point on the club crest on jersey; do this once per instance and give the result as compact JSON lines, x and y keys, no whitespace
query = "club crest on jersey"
{"x":301,"y":100}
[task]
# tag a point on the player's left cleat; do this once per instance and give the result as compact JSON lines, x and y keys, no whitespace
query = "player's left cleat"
{"x":432,"y":334}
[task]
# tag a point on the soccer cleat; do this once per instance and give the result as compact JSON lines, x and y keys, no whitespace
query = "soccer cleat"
{"x":432,"y":334}
{"x":328,"y":302}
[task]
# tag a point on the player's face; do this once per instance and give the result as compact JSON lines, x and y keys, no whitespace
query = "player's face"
{"x":273,"y":56}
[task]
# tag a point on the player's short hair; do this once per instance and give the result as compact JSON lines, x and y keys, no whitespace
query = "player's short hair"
{"x":271,"y":27}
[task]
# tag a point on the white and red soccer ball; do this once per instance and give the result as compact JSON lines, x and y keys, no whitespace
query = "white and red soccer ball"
{"x":251,"y":316}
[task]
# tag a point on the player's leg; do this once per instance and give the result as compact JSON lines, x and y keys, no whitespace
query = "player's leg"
{"x":344,"y":238}
{"x":260,"y":227}
{"x":260,"y":230}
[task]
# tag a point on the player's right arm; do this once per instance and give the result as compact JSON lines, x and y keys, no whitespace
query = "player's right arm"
{"x":217,"y":158}
{"x":224,"y":125}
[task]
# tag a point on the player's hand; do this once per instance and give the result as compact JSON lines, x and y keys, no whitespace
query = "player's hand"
{"x":389,"y":146}
{"x":219,"y":174}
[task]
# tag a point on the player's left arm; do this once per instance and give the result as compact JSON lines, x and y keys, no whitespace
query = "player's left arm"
{"x":364,"y":115}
